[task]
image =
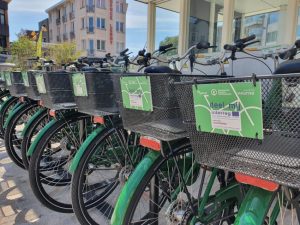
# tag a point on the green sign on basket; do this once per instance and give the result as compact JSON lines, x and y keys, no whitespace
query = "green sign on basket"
{"x":229,"y":108}
{"x":79,"y":84}
{"x":25,"y":78}
{"x":7,"y":78}
{"x":40,"y":82}
{"x":136,"y":93}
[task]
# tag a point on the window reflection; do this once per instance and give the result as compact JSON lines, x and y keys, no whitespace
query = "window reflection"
{"x":262,"y":18}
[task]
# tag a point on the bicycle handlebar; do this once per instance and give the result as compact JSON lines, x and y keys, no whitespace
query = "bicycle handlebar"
{"x":163,"y":48}
{"x":124,"y":52}
{"x":246,"y":39}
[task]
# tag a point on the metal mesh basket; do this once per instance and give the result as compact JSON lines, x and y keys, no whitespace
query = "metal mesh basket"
{"x":163,"y":120}
{"x":56,"y":90}
{"x":276,"y":157}
{"x":30,"y":85}
{"x":15,"y":84}
{"x":2,"y":80}
{"x":94,"y":93}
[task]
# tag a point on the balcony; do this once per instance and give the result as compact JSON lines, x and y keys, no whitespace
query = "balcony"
{"x":58,"y":38}
{"x":90,"y":52}
{"x":90,"y":8}
{"x":90,"y":30}
{"x":72,"y":35}
{"x":72,"y":15}
{"x":58,"y":21}
{"x":64,"y":18}
{"x":65,"y":37}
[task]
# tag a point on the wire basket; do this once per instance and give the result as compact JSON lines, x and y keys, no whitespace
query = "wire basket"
{"x":15,"y":84}
{"x":245,"y":125}
{"x":55,"y":90}
{"x":148,"y":105}
{"x":30,"y":85}
{"x":94,"y":93}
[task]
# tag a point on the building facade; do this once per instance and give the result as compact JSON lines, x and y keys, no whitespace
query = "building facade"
{"x":4,"y":28}
{"x":96,"y":26}
{"x":45,"y":23}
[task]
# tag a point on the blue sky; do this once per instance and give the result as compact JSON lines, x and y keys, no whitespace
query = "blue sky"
{"x":25,"y":14}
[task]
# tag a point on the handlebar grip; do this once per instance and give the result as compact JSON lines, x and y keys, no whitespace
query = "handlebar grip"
{"x":246,"y":39}
{"x":297,"y":43}
{"x":290,"y":53}
{"x":203,"y":45}
{"x":142,"y":52}
{"x":124,"y":51}
{"x":165,"y":47}
{"x":230,"y":47}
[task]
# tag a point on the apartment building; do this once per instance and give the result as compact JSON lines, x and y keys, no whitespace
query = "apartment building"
{"x":4,"y":28}
{"x":96,"y":26}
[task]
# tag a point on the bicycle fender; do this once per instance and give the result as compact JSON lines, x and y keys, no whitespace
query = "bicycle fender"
{"x":83,"y":147}
{"x":131,"y":186}
{"x":32,"y":119}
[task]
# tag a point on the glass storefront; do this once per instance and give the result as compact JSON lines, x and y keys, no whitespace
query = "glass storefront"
{"x":262,"y":18}
{"x":167,"y":24}
{"x":206,"y":22}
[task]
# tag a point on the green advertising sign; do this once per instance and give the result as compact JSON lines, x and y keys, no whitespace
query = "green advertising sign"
{"x":136,"y":93}
{"x":229,"y":108}
{"x":79,"y":84}
{"x":25,"y":78}
{"x":40,"y":82}
{"x":7,"y":78}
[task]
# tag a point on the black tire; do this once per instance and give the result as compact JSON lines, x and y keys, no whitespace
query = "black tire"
{"x":11,"y":139}
{"x":37,"y":179}
{"x":150,"y":173}
{"x":101,"y":196}
{"x":4,"y":113}
{"x":34,"y":128}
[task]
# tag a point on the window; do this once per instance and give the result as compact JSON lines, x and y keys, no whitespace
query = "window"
{"x":120,"y":47}
{"x":65,"y":28}
{"x":58,"y":31}
{"x":100,"y":4}
{"x":82,"y":4}
{"x":72,"y":7}
{"x":72,"y":27}
{"x":119,"y":26}
{"x":82,"y":23}
{"x":262,"y":19}
{"x":2,"y":17}
{"x":83,"y":44}
{"x":51,"y":34}
{"x":120,"y":7}
{"x":101,"y":45}
{"x":65,"y":11}
{"x":50,"y":17}
{"x":100,"y":23}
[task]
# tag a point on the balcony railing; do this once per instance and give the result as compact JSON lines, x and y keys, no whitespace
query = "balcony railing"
{"x":90,"y":30}
{"x":72,"y":35}
{"x":72,"y":15}
{"x":58,"y":21}
{"x":91,"y":52}
{"x":64,"y":18}
{"x":58,"y":38}
{"x":90,"y":8}
{"x":65,"y":36}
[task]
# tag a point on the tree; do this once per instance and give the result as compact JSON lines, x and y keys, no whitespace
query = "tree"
{"x":21,"y":51}
{"x":64,"y":53}
{"x":171,"y":40}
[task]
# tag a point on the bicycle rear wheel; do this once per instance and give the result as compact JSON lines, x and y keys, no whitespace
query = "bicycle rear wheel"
{"x":103,"y":169}
{"x":53,"y":151}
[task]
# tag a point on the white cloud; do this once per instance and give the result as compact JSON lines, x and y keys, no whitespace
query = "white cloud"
{"x":31,"y":5}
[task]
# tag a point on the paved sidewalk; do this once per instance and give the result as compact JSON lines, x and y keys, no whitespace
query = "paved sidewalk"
{"x":17,"y":202}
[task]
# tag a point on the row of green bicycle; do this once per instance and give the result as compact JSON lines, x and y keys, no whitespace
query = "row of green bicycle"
{"x":159,"y":147}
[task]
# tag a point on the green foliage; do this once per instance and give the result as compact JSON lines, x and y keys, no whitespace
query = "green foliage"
{"x":21,"y":51}
{"x":64,"y":53}
{"x":171,"y":40}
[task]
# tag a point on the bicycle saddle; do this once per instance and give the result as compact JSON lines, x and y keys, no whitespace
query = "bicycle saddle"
{"x":291,"y":66}
{"x":160,"y":69}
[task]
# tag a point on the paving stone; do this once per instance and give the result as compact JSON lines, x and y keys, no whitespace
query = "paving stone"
{"x":7,"y":210}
